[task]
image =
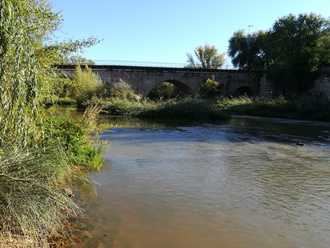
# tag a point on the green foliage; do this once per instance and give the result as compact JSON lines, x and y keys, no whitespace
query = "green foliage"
{"x":54,"y":83}
{"x":164,"y":91}
{"x":118,"y":106}
{"x":62,"y":101}
{"x":188,"y":109}
{"x":210,"y":89}
{"x":306,"y":107}
{"x":206,"y":57}
{"x":85,"y":85}
{"x":19,"y":84}
{"x":323,"y":49}
{"x":249,"y":51}
{"x":262,"y":107}
{"x":294,"y":40}
{"x":292,"y":51}
{"x":73,"y":138}
{"x":34,"y":155}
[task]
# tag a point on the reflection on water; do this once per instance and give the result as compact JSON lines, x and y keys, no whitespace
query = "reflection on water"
{"x":249,"y":183}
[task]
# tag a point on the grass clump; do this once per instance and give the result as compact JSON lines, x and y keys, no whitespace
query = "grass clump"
{"x":32,"y":204}
{"x":189,"y":109}
{"x":249,"y":106}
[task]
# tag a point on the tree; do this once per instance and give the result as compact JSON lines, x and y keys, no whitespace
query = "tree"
{"x":23,"y":25}
{"x":27,"y":72}
{"x":51,"y":54}
{"x":249,"y":51}
{"x":323,"y":49}
{"x":32,"y":202}
{"x":295,"y":51}
{"x":292,"y":51}
{"x":206,"y":57}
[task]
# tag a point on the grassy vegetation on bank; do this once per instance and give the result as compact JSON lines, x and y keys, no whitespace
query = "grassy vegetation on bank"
{"x":197,"y":109}
{"x":34,"y":202}
{"x":305,"y":108}
{"x":125,"y":107}
{"x":39,"y":152}
{"x":188,"y":109}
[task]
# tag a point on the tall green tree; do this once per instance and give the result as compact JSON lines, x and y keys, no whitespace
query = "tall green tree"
{"x":27,"y":66}
{"x":292,"y":51}
{"x":295,"y":43}
{"x":249,"y":51}
{"x":206,"y":57}
{"x":22,"y":24}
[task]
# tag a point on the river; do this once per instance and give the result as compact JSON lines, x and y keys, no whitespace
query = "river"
{"x":249,"y":183}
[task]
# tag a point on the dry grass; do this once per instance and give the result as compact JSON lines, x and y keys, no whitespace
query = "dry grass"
{"x":32,"y":205}
{"x":91,"y":114}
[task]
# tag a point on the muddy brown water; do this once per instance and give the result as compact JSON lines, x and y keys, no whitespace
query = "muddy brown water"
{"x":249,"y":183}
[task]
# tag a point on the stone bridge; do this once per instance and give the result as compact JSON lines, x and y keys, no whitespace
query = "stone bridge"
{"x":144,"y":79}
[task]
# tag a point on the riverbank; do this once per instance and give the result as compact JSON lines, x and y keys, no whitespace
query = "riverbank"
{"x":186,"y":109}
{"x":37,"y":181}
{"x":190,"y":109}
{"x":303,"y":108}
{"x":197,"y":109}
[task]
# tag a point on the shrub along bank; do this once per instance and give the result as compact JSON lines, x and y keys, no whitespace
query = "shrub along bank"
{"x":305,"y":108}
{"x":188,"y":109}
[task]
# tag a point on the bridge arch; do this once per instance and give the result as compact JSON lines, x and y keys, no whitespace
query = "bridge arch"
{"x":181,"y":89}
{"x":243,"y":91}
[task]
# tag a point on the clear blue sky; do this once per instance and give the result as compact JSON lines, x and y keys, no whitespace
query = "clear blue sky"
{"x":165,"y":30}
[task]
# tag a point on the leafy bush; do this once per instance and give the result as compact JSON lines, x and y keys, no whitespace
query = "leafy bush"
{"x":188,"y":109}
{"x":117,"y":106}
{"x":73,"y":137}
{"x":85,"y":85}
{"x":164,"y":91}
{"x":307,"y":107}
{"x":123,"y":90}
{"x":210,"y":89}
{"x":262,"y":107}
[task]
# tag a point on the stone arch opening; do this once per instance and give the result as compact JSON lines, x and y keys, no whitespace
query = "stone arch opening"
{"x":243,"y":91}
{"x":182,"y":87}
{"x":171,"y":88}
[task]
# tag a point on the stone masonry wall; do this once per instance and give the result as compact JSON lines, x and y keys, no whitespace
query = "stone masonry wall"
{"x":144,"y":79}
